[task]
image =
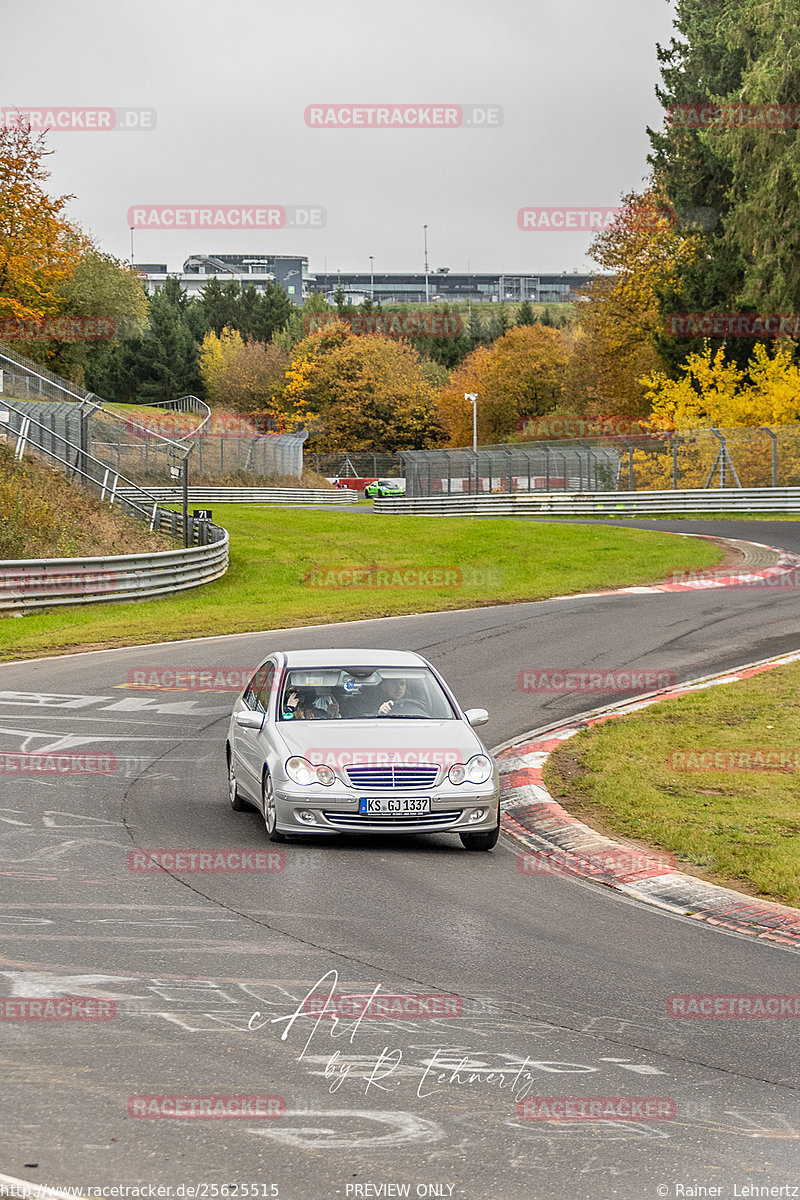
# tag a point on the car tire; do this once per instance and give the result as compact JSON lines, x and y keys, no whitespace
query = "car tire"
{"x":270,"y":812}
{"x":481,"y":841}
{"x":236,"y":801}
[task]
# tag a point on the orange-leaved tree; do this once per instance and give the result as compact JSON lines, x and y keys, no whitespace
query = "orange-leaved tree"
{"x":39,"y":247}
{"x":620,"y":319}
{"x":519,"y":376}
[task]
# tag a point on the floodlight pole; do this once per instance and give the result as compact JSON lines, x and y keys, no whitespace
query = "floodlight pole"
{"x":473,"y":396}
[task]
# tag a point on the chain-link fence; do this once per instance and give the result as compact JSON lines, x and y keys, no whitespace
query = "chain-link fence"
{"x":357,"y":464}
{"x":748,"y":457}
{"x":149,"y":444}
{"x":511,"y":468}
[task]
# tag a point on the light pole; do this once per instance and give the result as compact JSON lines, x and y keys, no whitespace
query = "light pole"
{"x":371,"y":277}
{"x":425,"y":231}
{"x":473,"y":396}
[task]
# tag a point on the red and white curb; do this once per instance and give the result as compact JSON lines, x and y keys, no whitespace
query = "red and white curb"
{"x":785,"y":572}
{"x":560,"y":844}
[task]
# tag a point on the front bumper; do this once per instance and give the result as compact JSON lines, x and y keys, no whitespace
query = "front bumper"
{"x":450,"y":812}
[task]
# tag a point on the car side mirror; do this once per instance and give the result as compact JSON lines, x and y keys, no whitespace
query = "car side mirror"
{"x":250,"y":720}
{"x":476,"y":716}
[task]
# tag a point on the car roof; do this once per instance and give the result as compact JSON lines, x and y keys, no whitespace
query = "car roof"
{"x":353,"y":658}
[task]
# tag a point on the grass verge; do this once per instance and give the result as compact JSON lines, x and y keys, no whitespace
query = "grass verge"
{"x":734,"y":825}
{"x":273,"y":551}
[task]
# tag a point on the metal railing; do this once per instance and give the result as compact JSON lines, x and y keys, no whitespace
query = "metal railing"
{"x":609,"y":504}
{"x":45,"y":582}
{"x":252,"y":495}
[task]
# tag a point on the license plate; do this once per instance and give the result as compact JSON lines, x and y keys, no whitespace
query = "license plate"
{"x":394,"y":804}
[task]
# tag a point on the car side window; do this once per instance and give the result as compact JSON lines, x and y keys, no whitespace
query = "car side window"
{"x":258,"y":690}
{"x":263,"y":686}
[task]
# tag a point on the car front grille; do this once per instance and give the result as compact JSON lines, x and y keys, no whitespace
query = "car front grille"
{"x":347,"y":820}
{"x":392,"y":775}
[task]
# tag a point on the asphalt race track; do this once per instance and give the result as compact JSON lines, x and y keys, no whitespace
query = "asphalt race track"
{"x":562,"y":984}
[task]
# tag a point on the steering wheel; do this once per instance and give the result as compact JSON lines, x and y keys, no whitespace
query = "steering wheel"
{"x":407,"y":707}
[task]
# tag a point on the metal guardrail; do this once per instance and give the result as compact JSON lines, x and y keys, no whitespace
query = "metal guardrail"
{"x":250,"y":495}
{"x":42,"y":583}
{"x":612,"y":504}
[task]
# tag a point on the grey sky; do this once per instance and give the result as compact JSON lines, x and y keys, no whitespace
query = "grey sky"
{"x":230,"y":82}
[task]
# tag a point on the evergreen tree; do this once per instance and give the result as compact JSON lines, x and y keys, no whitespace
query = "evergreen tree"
{"x":525,"y":314}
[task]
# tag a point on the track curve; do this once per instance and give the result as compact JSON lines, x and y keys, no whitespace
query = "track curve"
{"x":549,"y":970}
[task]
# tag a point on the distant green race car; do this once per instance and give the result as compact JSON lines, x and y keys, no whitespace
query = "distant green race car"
{"x":385,"y":487}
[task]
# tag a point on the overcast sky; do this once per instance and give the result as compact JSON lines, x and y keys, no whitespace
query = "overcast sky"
{"x":230,"y":83}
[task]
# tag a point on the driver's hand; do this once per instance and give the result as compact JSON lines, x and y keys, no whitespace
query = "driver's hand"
{"x":386,"y":708}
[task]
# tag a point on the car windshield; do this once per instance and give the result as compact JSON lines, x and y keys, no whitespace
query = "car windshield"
{"x":359,"y":693}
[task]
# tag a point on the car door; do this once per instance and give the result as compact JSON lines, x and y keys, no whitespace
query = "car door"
{"x":250,"y":744}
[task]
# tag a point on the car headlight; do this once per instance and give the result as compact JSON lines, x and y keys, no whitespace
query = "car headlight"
{"x":302,"y":772}
{"x":477,"y":770}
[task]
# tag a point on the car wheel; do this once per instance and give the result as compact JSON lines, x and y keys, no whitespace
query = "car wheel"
{"x":237,"y":803}
{"x":270,"y":812}
{"x":481,"y":841}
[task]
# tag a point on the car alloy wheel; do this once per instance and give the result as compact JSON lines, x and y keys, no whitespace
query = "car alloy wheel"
{"x":237,"y":803}
{"x":270,"y":811}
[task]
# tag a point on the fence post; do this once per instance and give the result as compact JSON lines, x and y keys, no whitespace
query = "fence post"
{"x":547,"y":468}
{"x":674,"y":462}
{"x":774,"y":437}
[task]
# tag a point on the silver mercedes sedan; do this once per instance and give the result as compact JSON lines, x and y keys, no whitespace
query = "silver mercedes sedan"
{"x":365,"y":741}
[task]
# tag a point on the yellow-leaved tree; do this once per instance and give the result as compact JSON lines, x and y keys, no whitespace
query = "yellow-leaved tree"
{"x":713,"y":392}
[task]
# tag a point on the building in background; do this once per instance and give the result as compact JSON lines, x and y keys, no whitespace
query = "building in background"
{"x":292,"y":274}
{"x":250,"y":270}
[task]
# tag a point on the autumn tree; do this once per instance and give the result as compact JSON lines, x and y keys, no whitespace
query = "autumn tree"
{"x":240,"y":375}
{"x":713,"y":391}
{"x":519,"y":376}
{"x":367,"y":393}
{"x":620,"y":311}
{"x":39,"y":247}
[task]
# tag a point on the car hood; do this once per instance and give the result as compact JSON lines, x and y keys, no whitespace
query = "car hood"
{"x":338,"y":742}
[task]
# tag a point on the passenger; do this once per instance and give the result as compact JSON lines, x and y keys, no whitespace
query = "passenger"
{"x":299,"y":705}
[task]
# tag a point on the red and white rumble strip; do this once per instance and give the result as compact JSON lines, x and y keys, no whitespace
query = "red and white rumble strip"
{"x":548,"y":832}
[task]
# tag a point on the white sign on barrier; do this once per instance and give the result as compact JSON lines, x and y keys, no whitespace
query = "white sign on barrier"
{"x":1,"y":381}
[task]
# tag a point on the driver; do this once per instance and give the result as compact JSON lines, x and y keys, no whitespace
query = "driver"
{"x":395,"y":690}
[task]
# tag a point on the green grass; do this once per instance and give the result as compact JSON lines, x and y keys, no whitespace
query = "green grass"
{"x":740,"y":827}
{"x":272,"y":550}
